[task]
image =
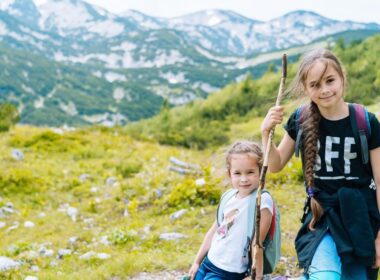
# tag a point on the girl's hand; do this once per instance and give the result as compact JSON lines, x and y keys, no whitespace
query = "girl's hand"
{"x":377,"y":246}
{"x":193,"y":270}
{"x":274,"y":116}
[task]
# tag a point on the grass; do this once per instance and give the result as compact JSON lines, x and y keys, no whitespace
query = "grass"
{"x":51,"y":178}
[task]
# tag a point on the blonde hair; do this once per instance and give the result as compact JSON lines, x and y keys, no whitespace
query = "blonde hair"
{"x":244,"y":147}
{"x":312,"y":117}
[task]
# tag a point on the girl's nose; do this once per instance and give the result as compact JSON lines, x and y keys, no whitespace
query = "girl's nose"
{"x":325,"y":89}
{"x":243,"y":179}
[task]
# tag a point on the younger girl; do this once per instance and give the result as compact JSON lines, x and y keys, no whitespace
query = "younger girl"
{"x":222,"y":250}
{"x":339,"y":237}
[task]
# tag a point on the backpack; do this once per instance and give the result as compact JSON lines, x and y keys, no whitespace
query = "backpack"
{"x":272,"y":242}
{"x":361,"y":128}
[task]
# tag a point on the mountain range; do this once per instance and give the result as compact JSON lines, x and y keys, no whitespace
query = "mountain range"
{"x":69,"y":62}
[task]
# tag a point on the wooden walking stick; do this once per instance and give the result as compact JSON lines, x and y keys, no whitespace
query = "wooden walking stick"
{"x":264,"y":171}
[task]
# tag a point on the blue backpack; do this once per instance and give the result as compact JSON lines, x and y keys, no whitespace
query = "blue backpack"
{"x":361,"y":128}
{"x":272,"y":242}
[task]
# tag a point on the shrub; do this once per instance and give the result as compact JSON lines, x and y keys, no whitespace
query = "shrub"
{"x":120,"y":237}
{"x":20,"y":181}
{"x":188,"y":194}
{"x":9,"y":116}
{"x":128,"y":169}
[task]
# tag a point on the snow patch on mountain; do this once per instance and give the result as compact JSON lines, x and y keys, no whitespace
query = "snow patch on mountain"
{"x":39,"y":103}
{"x":68,"y":108}
{"x":113,"y":76}
{"x":70,"y":17}
{"x":108,"y":28}
{"x":124,"y":46}
{"x":173,"y":78}
{"x":118,"y":94}
{"x":3,"y":29}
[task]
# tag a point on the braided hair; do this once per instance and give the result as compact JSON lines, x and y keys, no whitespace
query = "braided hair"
{"x":311,"y":121}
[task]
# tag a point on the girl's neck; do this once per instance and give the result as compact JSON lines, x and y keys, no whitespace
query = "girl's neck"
{"x":240,"y":195}
{"x":338,"y":112}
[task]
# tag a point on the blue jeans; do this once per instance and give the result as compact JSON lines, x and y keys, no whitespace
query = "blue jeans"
{"x":208,"y":271}
{"x":326,"y":264}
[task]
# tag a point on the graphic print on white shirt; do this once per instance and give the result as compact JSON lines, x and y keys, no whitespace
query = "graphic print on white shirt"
{"x":227,"y":223}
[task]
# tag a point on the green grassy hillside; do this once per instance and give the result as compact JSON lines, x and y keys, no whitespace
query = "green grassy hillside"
{"x":120,"y":194}
{"x":93,"y":203}
{"x":206,"y":123}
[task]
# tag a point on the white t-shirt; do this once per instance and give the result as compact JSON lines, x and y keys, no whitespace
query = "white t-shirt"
{"x":228,"y":243}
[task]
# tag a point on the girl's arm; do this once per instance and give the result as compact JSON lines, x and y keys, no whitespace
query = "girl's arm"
{"x":265,"y":222}
{"x":280,"y":155}
{"x":375,"y":161}
{"x":206,"y":244}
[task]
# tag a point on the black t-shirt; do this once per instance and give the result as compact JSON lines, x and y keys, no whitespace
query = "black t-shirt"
{"x":339,"y":158}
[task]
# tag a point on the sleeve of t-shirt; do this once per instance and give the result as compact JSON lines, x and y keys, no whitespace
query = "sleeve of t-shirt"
{"x":290,"y":126}
{"x":266,"y":202}
{"x":374,"y":140}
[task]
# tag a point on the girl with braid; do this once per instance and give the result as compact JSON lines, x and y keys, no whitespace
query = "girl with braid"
{"x":339,"y":237}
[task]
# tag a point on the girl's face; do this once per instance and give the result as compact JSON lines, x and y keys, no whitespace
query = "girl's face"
{"x":324,"y":86}
{"x":244,"y":173}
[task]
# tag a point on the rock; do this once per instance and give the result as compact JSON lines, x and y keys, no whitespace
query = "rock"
{"x":9,"y":205}
{"x":7,"y":264}
{"x":147,"y":228}
{"x":177,"y":214}
{"x":111,"y":181}
{"x":42,"y":215}
{"x":35,"y":268}
{"x":64,"y":252}
{"x":7,"y":209}
{"x":158,"y":193}
{"x":104,"y":240}
{"x":15,"y":225}
{"x":3,"y":224}
{"x":54,"y":263}
{"x":87,"y":256}
{"x":73,"y":240}
{"x":126,"y":214}
{"x":103,"y":256}
{"x":93,"y":255}
{"x":31,"y":278}
{"x":200,"y":182}
{"x":29,"y":224}
{"x":83,"y":177}
{"x":17,"y":154}
{"x":72,"y":212}
{"x":172,"y":236}
{"x":45,"y":252}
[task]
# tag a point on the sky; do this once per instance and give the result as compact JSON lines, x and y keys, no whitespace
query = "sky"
{"x":355,"y":10}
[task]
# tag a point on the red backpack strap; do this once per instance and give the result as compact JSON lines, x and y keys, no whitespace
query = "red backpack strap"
{"x":362,"y":119}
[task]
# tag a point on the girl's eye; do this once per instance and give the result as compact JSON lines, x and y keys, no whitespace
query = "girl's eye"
{"x":330,"y":81}
{"x":313,"y":85}
{"x":236,"y":173}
